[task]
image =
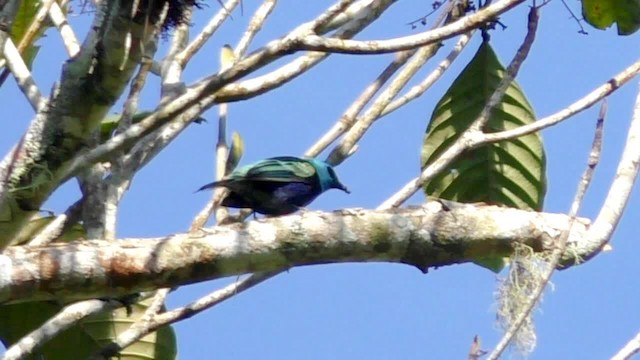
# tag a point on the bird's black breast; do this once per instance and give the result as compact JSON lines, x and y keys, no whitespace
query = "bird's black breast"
{"x":271,"y":197}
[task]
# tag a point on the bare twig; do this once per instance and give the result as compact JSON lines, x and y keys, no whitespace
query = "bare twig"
{"x":556,"y":255}
{"x":255,"y":25}
{"x":23,"y":76}
{"x":360,"y":18}
{"x":574,"y":17}
{"x":347,"y":119}
{"x":325,"y":18}
{"x":425,"y":84}
{"x":69,"y":38}
{"x":476,"y":352}
{"x":55,"y":228}
{"x":155,"y":322}
{"x":465,"y":24}
{"x":122,"y":169}
{"x":620,"y":190}
{"x":364,"y":122}
{"x":629,"y":350}
{"x":227,"y":59}
{"x":171,"y":69}
{"x":206,"y":33}
{"x":579,"y":105}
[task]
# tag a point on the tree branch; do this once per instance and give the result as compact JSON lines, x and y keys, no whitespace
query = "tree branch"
{"x":520,"y":318}
{"x":91,"y":83}
{"x":631,"y":348}
{"x":467,"y":23}
{"x":425,"y":237}
{"x":620,"y":190}
{"x":576,"y":107}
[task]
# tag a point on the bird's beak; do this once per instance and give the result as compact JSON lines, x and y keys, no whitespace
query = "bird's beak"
{"x":342,"y":187}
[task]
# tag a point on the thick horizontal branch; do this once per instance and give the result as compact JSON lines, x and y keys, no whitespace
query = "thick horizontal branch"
{"x":425,"y":237}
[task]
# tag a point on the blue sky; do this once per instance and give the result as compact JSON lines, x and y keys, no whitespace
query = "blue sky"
{"x":384,"y":311}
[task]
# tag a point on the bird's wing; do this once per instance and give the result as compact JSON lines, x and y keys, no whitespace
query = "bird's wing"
{"x":281,"y":169}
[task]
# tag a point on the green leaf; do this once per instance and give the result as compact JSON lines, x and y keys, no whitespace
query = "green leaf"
{"x":603,"y":13}
{"x":25,"y":15}
{"x":89,"y":336}
{"x":235,"y":152}
{"x":16,"y":320}
{"x":104,"y":328}
{"x":509,"y":173}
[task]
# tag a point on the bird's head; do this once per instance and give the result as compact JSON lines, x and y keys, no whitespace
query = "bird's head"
{"x":327,"y":176}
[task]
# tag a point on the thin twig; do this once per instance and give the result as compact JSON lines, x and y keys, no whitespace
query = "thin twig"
{"x":360,"y":16}
{"x":579,"y":105}
{"x":227,"y":60}
{"x":222,"y":149}
{"x":23,"y":76}
{"x":122,"y":169}
{"x":69,"y":38}
{"x":617,"y":198}
{"x":476,"y":352}
{"x":326,"y":17}
{"x":423,"y":19}
{"x":366,"y":120}
{"x":171,"y":70}
{"x":137,"y":331}
{"x":630,"y":349}
{"x":206,"y":33}
{"x":574,"y":17}
{"x":430,"y":79}
{"x":255,"y":25}
{"x":55,"y":228}
{"x":556,"y":255}
{"x":465,"y":24}
{"x":349,"y":117}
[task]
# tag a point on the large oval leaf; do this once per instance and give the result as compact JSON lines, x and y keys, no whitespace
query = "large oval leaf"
{"x":88,"y":337}
{"x":105,"y":327}
{"x":509,"y":173}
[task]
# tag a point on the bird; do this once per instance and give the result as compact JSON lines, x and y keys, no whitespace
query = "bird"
{"x":277,"y":186}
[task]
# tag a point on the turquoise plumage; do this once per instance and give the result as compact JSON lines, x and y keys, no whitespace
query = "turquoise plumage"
{"x":278,"y":185}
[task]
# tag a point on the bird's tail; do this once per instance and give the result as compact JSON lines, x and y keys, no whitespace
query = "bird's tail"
{"x":212,"y":185}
